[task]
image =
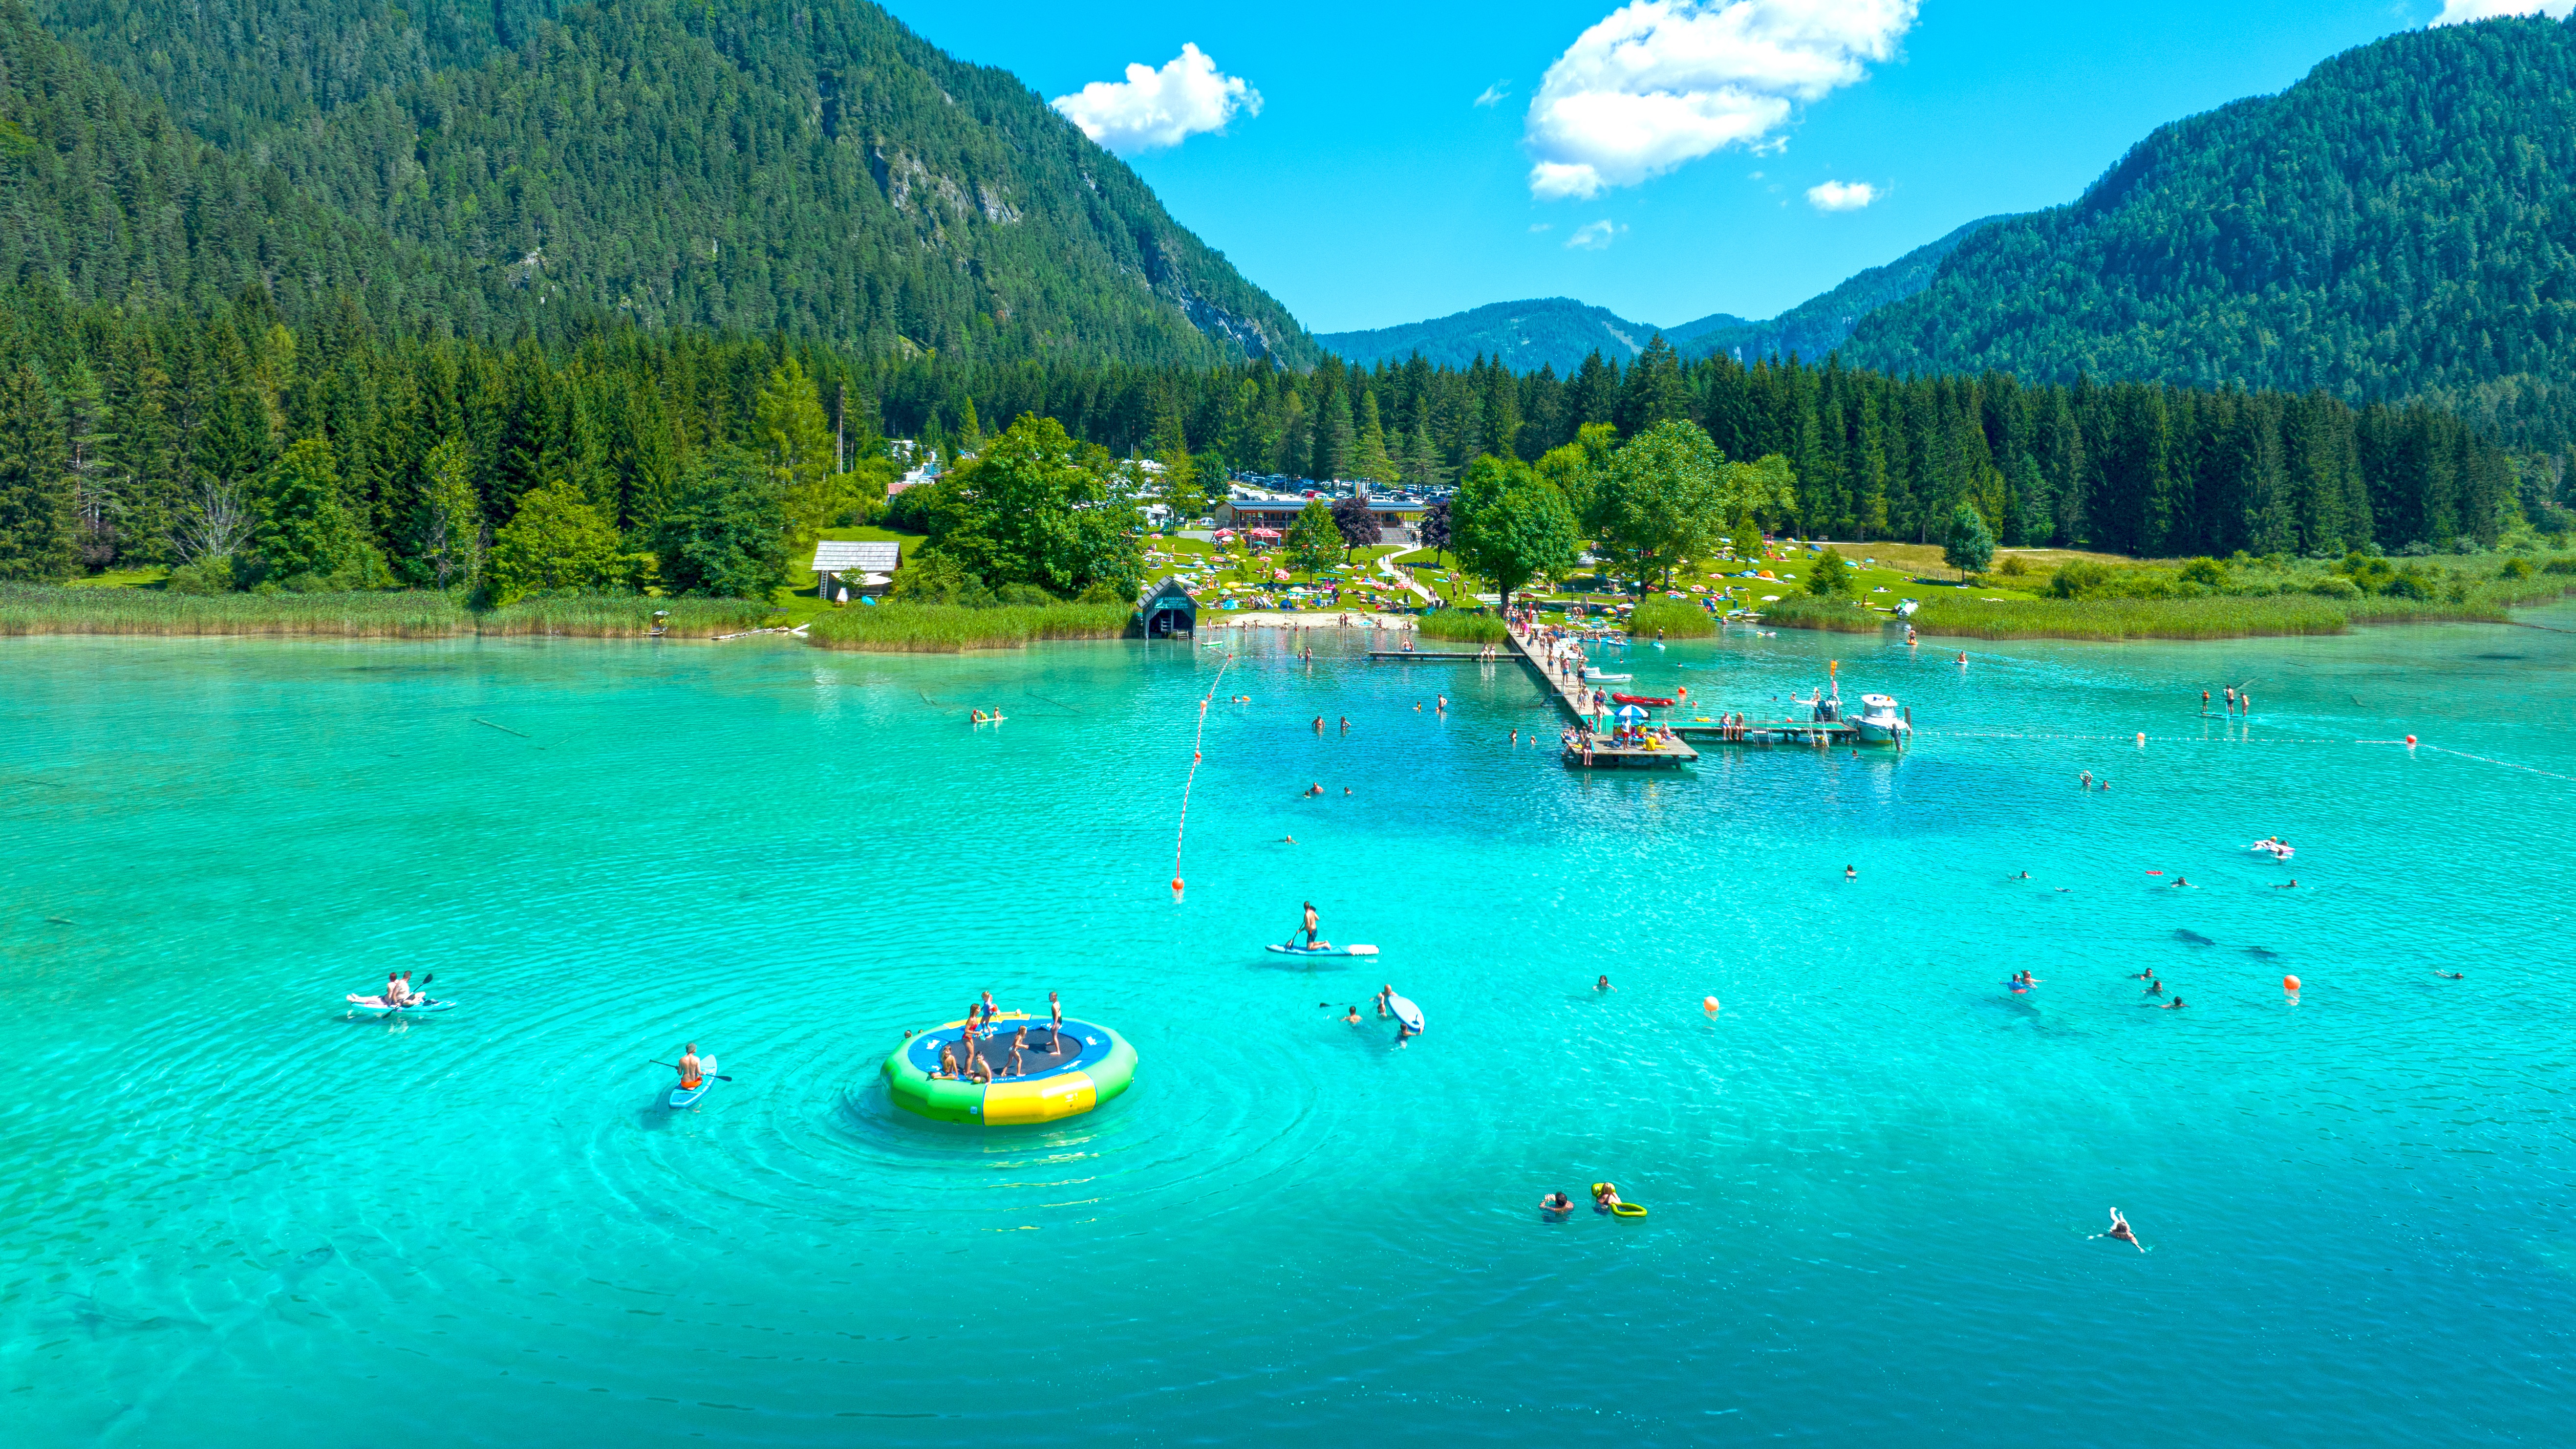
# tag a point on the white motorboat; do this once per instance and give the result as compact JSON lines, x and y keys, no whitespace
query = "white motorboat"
{"x":1593,"y":674}
{"x":1882,"y":721}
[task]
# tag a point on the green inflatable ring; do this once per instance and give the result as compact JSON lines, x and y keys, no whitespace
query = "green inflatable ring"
{"x":1088,"y":1067}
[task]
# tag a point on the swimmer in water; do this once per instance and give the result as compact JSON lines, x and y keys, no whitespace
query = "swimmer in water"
{"x":2173,"y":1005}
{"x":1315,"y":789}
{"x":1516,"y":738}
{"x":2155,"y":987}
{"x":1557,"y":1203}
{"x":1603,"y":984}
{"x":1850,"y":873}
{"x":1346,"y":789}
{"x":2450,"y":975}
{"x":1963,"y":656}
{"x":1319,"y":724}
{"x":1354,"y":1018}
{"x":2285,"y":886}
{"x":2025,"y":875}
{"x":2179,"y":882}
{"x":2085,"y":780}
{"x":1346,"y":724}
{"x":2120,"y":1230}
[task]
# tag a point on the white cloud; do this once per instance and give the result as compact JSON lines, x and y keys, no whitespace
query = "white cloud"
{"x":1152,"y":109}
{"x":1539,"y":226}
{"x":1841,"y":196}
{"x":1660,"y":82}
{"x":2461,"y":12}
{"x":1494,"y":93}
{"x":1595,"y":236}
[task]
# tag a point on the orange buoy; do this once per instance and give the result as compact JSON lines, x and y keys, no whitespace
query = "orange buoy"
{"x":1176,"y":883}
{"x":2410,"y":739}
{"x":2289,"y":983}
{"x":1708,"y":1003}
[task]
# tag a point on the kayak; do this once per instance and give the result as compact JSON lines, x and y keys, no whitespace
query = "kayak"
{"x":1406,"y":1012}
{"x":1323,"y":950}
{"x":1641,"y":699}
{"x":688,"y":1096}
{"x":375,"y":1005}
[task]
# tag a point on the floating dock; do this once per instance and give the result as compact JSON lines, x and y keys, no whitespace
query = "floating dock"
{"x":1822,"y":734}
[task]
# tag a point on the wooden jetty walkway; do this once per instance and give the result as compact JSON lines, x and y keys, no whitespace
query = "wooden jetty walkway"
{"x":1572,"y":694}
{"x":1772,"y":732}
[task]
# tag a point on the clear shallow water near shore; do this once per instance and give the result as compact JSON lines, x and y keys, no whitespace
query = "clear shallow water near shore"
{"x":232,"y":1216}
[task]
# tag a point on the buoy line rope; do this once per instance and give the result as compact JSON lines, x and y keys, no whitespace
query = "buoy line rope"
{"x":2508,"y":764}
{"x":2160,"y":739}
{"x":1196,"y":741}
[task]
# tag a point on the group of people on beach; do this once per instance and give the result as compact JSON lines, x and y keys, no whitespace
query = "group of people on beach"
{"x":963,"y":1059}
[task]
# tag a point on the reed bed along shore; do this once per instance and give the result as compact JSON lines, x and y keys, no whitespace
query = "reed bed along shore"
{"x":952,"y":628}
{"x":1461,"y":627}
{"x":26,"y":609}
{"x":1658,"y":617}
{"x":622,"y":616}
{"x":422,"y":614}
{"x":2111,"y":620}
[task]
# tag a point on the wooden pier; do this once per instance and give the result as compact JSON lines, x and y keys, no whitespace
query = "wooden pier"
{"x":1823,"y":734}
{"x":1572,"y":694}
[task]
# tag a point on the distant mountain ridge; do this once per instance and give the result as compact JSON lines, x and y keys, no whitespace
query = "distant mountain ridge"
{"x":1554,"y":332}
{"x":2399,"y":224}
{"x":729,"y":164}
{"x":1560,"y":332}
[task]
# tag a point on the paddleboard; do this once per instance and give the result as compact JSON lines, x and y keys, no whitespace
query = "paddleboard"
{"x":681,"y":1097}
{"x":1406,"y":1012}
{"x":1322,"y":950}
{"x":375,"y":1006}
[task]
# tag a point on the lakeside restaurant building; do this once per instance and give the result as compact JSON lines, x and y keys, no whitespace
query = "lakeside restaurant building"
{"x":1278,"y":513}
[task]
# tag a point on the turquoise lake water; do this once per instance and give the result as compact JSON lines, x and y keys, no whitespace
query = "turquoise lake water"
{"x":233,"y":1217}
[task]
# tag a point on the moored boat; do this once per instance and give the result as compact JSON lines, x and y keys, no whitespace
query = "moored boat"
{"x":1881,"y":720}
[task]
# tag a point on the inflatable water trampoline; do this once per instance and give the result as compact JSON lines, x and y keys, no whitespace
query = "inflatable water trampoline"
{"x":1062,"y":1077}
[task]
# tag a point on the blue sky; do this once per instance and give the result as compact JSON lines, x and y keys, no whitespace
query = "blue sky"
{"x":1371,"y":188}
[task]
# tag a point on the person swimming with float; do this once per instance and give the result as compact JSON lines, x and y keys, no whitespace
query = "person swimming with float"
{"x":1605,"y":1196}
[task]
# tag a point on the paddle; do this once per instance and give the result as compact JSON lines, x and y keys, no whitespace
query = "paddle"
{"x":675,"y":1066}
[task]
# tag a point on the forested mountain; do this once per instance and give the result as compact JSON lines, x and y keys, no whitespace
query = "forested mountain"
{"x":1821,"y":323}
{"x":732,"y":165}
{"x":1556,"y":332}
{"x":1560,"y":332}
{"x":2400,"y":224}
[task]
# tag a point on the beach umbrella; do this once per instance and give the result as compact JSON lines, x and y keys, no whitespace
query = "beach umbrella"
{"x":1630,"y":714}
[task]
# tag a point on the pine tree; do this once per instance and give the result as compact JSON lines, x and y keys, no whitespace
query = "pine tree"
{"x":1370,"y":459}
{"x":38,"y":523}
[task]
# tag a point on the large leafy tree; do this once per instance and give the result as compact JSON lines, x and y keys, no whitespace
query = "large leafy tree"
{"x":556,"y":544}
{"x":1036,"y":507}
{"x":1971,"y":545}
{"x":722,"y":536}
{"x":1670,"y":494}
{"x":1314,"y":535}
{"x":1509,"y":525}
{"x":1356,"y":521}
{"x":38,"y":526}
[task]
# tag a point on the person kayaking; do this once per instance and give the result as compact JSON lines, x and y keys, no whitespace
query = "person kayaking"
{"x":393,"y":992}
{"x":690,"y":1079}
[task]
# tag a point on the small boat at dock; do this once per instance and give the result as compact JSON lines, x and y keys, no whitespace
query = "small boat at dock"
{"x":1644,"y":699}
{"x":1592,"y":675}
{"x":1882,"y":721}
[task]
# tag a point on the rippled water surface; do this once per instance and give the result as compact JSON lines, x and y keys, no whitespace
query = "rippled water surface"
{"x":231,"y":1216}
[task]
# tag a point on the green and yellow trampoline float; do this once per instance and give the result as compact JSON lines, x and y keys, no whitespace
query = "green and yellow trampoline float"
{"x":1059,"y":1076}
